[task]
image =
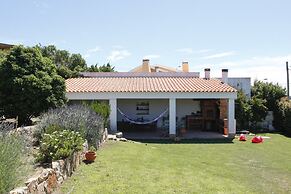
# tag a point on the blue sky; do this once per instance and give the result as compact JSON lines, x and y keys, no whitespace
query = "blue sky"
{"x":249,"y":37}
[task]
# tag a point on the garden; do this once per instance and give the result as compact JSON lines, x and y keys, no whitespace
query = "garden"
{"x":60,"y":134}
{"x":194,"y":166}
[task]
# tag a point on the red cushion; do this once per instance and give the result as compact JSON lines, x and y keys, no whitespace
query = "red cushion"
{"x":242,"y":137}
{"x":257,"y":139}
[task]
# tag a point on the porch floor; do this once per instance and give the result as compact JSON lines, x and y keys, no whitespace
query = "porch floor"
{"x":187,"y":135}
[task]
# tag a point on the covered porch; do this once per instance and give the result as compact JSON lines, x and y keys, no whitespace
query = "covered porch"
{"x":206,"y":116}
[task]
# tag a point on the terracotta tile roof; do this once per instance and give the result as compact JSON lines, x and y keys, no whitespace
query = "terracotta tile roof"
{"x":140,"y":74}
{"x":117,"y":82}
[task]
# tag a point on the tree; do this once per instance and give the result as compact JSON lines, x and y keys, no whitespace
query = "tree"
{"x":77,"y":63}
{"x":243,"y":111}
{"x":269,"y":92}
{"x":104,"y":68}
{"x":29,"y":84}
{"x":68,"y":65}
{"x":259,"y":110}
{"x":284,"y":115}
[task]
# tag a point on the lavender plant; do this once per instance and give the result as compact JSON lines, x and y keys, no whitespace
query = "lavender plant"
{"x":11,"y":152}
{"x":78,"y":118}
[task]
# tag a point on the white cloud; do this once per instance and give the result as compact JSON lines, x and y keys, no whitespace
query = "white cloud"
{"x":89,"y":52}
{"x":262,"y":67}
{"x":191,"y":51}
{"x":94,"y":50}
{"x":151,"y":56}
{"x":220,"y":55}
{"x":185,"y":50}
{"x":117,"y":55}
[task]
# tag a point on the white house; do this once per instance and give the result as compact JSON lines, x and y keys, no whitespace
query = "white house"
{"x":163,"y":102}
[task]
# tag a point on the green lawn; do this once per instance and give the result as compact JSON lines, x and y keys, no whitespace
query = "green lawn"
{"x":189,"y":167}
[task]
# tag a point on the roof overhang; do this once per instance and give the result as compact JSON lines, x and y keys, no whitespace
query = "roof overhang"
{"x":149,"y":95}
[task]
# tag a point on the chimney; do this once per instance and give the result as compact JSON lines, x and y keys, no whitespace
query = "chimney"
{"x":207,"y":73}
{"x":185,"y":66}
{"x":146,"y":65}
{"x":224,"y":77}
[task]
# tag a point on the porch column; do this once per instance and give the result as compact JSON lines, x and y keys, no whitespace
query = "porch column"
{"x":172,"y":116}
{"x":113,"y":114}
{"x":231,"y":119}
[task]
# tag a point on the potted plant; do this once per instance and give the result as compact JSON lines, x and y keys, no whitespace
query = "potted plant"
{"x":90,"y":155}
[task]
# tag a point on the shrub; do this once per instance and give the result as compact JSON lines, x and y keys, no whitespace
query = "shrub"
{"x":11,"y":150}
{"x":78,"y":118}
{"x":59,"y":145}
{"x":284,"y":115}
{"x":103,"y":109}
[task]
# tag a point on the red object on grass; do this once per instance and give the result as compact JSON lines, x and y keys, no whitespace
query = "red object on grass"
{"x":257,"y":139}
{"x":242,"y":137}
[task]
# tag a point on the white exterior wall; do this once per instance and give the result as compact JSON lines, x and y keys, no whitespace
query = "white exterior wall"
{"x":186,"y":107}
{"x":241,"y":83}
{"x":156,"y":107}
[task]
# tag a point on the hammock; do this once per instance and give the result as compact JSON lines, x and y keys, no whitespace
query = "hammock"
{"x":139,"y":122}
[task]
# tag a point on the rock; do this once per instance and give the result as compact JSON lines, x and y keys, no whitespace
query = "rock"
{"x":111,"y":137}
{"x":51,"y":183}
{"x":119,"y":134}
{"x":43,"y":176}
{"x":56,"y":166}
{"x":19,"y":190}
{"x":123,"y":139}
{"x":41,"y":188}
{"x":32,"y":184}
{"x":60,"y":180}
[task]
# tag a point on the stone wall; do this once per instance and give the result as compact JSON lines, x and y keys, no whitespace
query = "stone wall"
{"x":51,"y":178}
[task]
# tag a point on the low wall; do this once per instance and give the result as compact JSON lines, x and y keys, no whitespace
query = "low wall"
{"x":51,"y":178}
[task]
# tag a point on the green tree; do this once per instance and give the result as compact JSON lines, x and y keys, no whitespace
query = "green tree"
{"x":104,"y":68}
{"x":284,"y":115}
{"x":258,"y":109}
{"x":68,"y":65}
{"x":29,"y":84}
{"x":243,"y":111}
{"x":77,"y":63}
{"x":269,"y":92}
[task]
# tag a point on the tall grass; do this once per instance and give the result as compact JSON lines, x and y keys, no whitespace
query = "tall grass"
{"x":11,"y":150}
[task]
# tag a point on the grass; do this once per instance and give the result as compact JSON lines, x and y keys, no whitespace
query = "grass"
{"x":189,"y":167}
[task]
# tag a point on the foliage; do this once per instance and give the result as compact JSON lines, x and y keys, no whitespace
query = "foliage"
{"x":11,"y":151}
{"x":272,"y":93}
{"x":269,"y":92}
{"x":249,"y":111}
{"x":103,"y":109}
{"x":59,"y":145}
{"x":76,"y":118}
{"x":259,"y":110}
{"x":29,"y":84}
{"x":243,"y":111}
{"x":104,"y":68}
{"x":68,"y":65}
{"x":284,"y":115}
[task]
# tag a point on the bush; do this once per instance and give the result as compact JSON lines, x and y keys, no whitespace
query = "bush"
{"x":103,"y":109}
{"x":11,"y":150}
{"x":59,"y":145}
{"x":284,"y":115}
{"x":78,"y":118}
